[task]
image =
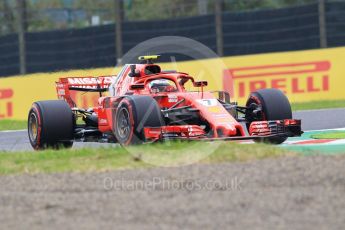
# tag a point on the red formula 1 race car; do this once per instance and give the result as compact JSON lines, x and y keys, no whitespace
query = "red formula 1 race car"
{"x":146,"y":104}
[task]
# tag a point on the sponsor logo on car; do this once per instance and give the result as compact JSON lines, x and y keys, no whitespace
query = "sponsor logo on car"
{"x":89,"y":80}
{"x":172,"y":98}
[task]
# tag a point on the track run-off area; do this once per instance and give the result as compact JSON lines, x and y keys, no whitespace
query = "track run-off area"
{"x":314,"y":122}
{"x":273,"y":193}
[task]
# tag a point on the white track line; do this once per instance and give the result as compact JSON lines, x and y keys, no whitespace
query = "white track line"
{"x":339,"y":142}
{"x":13,"y":131}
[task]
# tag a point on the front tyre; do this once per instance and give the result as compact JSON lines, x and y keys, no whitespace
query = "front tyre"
{"x":124,"y":125}
{"x":132,"y":115}
{"x":274,"y":105}
{"x":50,"y":125}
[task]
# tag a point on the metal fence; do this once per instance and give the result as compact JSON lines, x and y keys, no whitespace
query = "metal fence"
{"x":41,"y":15}
{"x":76,"y":37}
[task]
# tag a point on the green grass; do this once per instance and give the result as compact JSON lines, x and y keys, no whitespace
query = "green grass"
{"x":330,"y":135}
{"x":318,"y":105}
{"x":106,"y":159}
{"x":12,"y":125}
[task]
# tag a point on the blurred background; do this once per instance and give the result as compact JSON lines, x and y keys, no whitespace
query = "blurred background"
{"x":51,"y":35}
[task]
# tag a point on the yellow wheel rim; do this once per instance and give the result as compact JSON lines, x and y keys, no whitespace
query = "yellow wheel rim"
{"x":33,"y":126}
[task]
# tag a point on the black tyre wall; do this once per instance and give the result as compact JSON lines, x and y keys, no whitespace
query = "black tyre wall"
{"x":275,"y":104}
{"x":56,"y":124}
{"x":145,"y":112}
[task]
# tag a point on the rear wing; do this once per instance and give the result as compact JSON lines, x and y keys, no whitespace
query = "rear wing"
{"x":85,"y":84}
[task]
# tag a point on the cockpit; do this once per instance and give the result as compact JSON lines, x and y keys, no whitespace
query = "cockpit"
{"x":147,"y":77}
{"x":162,"y":85}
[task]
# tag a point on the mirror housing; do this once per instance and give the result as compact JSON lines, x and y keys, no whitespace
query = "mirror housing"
{"x":134,"y":72}
{"x":200,"y":83}
{"x":137,"y":87}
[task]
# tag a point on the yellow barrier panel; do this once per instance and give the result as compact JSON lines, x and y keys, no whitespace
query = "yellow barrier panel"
{"x":18,"y":93}
{"x":302,"y":75}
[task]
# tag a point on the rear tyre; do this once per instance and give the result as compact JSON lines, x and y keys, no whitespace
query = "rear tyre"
{"x":132,"y":115}
{"x":275,"y":106}
{"x":50,"y":125}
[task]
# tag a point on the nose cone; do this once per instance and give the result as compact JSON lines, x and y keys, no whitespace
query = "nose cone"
{"x":226,"y":130}
{"x":220,"y":120}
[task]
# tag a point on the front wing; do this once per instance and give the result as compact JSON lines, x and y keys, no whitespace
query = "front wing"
{"x":257,"y":130}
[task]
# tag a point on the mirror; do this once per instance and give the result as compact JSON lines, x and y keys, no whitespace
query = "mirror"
{"x":134,"y":72}
{"x":200,"y":83}
{"x":137,"y":87}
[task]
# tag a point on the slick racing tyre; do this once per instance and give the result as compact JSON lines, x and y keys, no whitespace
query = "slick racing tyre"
{"x":133,"y":114}
{"x":50,"y":125}
{"x":275,"y":106}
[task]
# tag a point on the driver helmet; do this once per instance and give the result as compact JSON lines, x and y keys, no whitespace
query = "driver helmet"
{"x":161,"y":85}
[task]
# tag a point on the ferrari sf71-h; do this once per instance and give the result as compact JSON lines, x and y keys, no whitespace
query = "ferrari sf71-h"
{"x":147,"y":104}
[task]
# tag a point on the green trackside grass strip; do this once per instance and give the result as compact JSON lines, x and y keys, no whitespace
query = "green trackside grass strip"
{"x":332,"y":104}
{"x":320,"y":134}
{"x":12,"y":125}
{"x":105,"y":159}
{"x":116,"y":158}
{"x":329,"y":135}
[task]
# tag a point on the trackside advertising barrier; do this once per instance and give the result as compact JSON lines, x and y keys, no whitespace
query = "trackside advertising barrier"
{"x":303,"y":75}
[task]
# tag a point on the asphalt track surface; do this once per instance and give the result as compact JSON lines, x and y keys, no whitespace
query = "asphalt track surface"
{"x":311,"y":120}
{"x":284,"y":193}
{"x":321,"y":119}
